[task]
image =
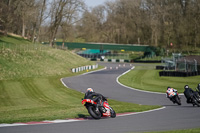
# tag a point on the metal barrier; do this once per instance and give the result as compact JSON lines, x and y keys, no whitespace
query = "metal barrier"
{"x":83,"y":68}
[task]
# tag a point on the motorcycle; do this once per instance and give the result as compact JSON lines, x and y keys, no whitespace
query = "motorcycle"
{"x":174,"y":97}
{"x":196,"y":98}
{"x":98,"y":111}
{"x":198,"y":91}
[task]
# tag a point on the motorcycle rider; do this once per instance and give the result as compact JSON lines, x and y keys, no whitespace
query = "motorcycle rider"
{"x":188,"y":94}
{"x":96,"y":97}
{"x":169,"y":91}
{"x":198,"y":88}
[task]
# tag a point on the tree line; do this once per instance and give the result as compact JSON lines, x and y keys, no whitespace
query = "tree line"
{"x":164,"y":23}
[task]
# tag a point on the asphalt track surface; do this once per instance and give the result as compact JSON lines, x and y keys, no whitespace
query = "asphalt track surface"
{"x":172,"y":117}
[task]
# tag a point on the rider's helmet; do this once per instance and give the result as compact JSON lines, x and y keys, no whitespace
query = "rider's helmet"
{"x":186,"y":87}
{"x":89,"y":90}
{"x":168,"y":87}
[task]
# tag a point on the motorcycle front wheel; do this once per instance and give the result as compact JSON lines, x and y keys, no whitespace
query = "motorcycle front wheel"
{"x":178,"y":100}
{"x":112,"y":113}
{"x":94,"y":113}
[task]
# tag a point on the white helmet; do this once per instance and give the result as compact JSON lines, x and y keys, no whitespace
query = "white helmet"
{"x":89,"y":89}
{"x":186,"y":87}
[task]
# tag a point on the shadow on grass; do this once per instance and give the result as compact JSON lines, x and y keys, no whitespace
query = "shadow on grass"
{"x":1,"y":41}
{"x":82,"y":116}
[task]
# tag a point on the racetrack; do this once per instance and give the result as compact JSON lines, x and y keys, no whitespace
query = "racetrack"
{"x":170,"y":118}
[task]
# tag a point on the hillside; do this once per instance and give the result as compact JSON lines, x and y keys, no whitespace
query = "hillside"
{"x":12,"y":39}
{"x":30,"y":60}
{"x":30,"y":81}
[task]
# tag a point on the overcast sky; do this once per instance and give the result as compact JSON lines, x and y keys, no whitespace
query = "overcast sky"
{"x":93,"y":3}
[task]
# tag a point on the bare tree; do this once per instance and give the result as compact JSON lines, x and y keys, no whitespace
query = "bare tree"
{"x":71,"y":17}
{"x":62,"y":10}
{"x":110,"y":29}
{"x":25,"y":10}
{"x":7,"y":8}
{"x":41,"y":17}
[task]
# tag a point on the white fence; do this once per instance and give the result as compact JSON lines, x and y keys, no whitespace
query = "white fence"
{"x":83,"y":68}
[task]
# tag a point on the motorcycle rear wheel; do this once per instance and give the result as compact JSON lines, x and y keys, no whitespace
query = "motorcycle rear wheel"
{"x":196,"y":103}
{"x":92,"y":111}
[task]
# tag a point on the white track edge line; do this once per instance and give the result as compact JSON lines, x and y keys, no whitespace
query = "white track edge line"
{"x":93,"y":71}
{"x":80,"y":75}
{"x":117,"y":80}
{"x":134,"y":113}
{"x":39,"y":123}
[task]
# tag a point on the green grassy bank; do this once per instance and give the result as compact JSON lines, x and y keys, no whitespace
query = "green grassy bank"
{"x":146,"y":77}
{"x":15,"y":64}
{"x":196,"y":130}
{"x":30,"y":87}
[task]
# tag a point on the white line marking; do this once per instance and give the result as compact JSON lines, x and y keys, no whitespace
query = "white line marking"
{"x":93,"y":71}
{"x":81,"y":74}
{"x":134,"y":113}
{"x":39,"y":123}
{"x":63,"y":83}
{"x":117,"y":80}
{"x":62,"y":121}
{"x":9,"y":125}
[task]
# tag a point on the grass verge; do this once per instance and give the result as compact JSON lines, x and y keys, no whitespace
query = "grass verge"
{"x":146,"y":77}
{"x":196,"y":130}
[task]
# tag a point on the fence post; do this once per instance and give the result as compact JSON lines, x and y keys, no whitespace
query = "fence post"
{"x":175,"y":64}
{"x":185,"y":65}
{"x":195,"y":64}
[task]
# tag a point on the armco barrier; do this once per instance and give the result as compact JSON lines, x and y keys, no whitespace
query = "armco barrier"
{"x":83,"y":68}
{"x":121,"y":60}
{"x":160,"y":67}
{"x":178,"y":74}
{"x":113,"y":60}
{"x":148,"y":61}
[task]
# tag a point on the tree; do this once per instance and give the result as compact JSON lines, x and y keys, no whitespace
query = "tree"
{"x":41,"y":17}
{"x":7,"y":8}
{"x":25,"y":10}
{"x":62,"y":10}
{"x":70,"y":18}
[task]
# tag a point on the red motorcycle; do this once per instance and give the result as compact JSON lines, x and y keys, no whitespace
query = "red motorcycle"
{"x":100,"y":111}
